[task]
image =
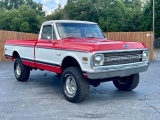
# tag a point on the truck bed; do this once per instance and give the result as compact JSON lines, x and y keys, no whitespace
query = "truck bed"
{"x":23,"y":48}
{"x":21,"y":42}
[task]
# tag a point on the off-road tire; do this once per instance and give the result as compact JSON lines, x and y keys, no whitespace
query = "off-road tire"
{"x":82,"y":85}
{"x":24,"y":71}
{"x":127,"y":83}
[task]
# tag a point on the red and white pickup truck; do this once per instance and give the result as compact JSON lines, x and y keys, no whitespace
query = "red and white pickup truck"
{"x":80,"y":53}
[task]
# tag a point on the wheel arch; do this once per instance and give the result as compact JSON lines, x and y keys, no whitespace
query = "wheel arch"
{"x":15,"y":54}
{"x":69,"y":61}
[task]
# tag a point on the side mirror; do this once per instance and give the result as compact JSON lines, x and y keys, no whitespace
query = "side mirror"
{"x":48,"y":37}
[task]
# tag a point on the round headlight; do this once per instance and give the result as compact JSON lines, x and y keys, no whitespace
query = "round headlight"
{"x":145,"y":56}
{"x":98,"y":60}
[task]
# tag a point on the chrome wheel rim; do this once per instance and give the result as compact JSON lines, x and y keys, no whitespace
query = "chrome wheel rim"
{"x":18,"y":70}
{"x":71,"y":86}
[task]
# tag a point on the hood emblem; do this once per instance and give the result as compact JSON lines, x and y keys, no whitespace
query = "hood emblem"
{"x":126,"y":46}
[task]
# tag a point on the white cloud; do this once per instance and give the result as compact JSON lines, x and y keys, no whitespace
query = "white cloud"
{"x":57,"y":1}
{"x":47,"y":10}
{"x":50,"y":5}
{"x":46,"y":1}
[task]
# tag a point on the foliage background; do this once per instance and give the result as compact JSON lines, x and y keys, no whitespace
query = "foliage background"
{"x":111,"y":15}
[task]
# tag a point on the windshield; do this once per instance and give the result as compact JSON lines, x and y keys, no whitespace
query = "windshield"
{"x":79,"y":30}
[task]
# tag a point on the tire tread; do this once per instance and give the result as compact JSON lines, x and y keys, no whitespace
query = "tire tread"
{"x":82,"y":84}
{"x":132,"y":83}
{"x":25,"y":73}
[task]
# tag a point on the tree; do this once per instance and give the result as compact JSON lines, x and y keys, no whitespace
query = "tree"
{"x":111,"y":15}
{"x":81,"y":10}
{"x":115,"y":15}
{"x":147,"y":17}
{"x":57,"y":14}
{"x":29,"y":16}
{"x":108,"y":13}
{"x":24,"y":20}
{"x":134,"y":4}
{"x":15,"y":4}
{"x":24,"y":27}
{"x":21,"y":15}
{"x":10,"y":20}
{"x":133,"y":12}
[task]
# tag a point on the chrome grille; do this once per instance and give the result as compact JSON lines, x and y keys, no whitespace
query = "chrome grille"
{"x":126,"y":57}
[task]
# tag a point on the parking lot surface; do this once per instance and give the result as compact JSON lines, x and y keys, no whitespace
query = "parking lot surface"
{"x":41,"y":98}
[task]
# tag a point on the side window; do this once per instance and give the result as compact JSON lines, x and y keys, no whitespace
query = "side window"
{"x":48,"y":32}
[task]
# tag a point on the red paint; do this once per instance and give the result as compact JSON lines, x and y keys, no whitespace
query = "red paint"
{"x":85,"y":75}
{"x":46,"y":44}
{"x":29,"y":43}
{"x":10,"y":58}
{"x":49,"y":68}
{"x":42,"y":66}
{"x":79,"y":44}
{"x":92,"y":44}
{"x":29,"y":63}
{"x":73,"y":44}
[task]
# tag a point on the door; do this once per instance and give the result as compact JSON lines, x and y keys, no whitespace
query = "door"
{"x":45,"y":50}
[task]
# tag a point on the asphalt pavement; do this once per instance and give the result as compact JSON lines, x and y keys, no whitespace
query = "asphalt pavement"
{"x":156,"y":55}
{"x":41,"y":98}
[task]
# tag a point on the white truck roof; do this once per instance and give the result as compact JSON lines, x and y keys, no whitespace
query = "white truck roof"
{"x":67,"y":21}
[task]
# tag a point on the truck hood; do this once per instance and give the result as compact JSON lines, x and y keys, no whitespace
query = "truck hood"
{"x":94,"y":44}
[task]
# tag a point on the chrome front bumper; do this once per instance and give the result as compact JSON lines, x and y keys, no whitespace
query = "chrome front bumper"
{"x":118,"y":71}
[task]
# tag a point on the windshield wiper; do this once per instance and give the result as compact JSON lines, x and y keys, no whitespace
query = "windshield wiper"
{"x":90,"y":37}
{"x":71,"y":37}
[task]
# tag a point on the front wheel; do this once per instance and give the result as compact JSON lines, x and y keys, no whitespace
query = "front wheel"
{"x":75,"y":87}
{"x":21,"y":71}
{"x":127,"y":83}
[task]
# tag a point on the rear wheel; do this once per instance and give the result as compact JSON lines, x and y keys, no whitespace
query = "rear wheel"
{"x":21,"y":71}
{"x":127,"y":83}
{"x":75,"y":87}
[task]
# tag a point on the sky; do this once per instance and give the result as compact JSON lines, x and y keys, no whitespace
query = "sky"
{"x":50,"y":5}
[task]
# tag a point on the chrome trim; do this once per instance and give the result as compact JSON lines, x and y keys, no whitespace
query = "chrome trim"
{"x":147,"y":56}
{"x":118,"y":71}
{"x":135,"y":56}
{"x":127,"y":50}
{"x":111,"y":51}
{"x":95,"y":55}
{"x":126,"y":46}
{"x":92,"y":61}
{"x":113,"y":67}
